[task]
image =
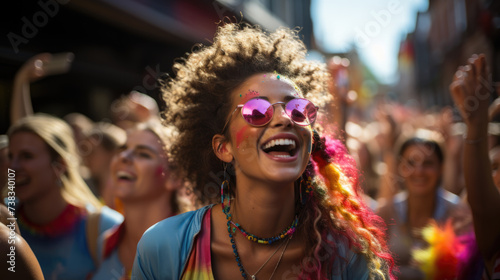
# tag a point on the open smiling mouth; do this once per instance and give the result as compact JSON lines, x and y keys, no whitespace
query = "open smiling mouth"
{"x":281,"y":148}
{"x":125,"y":176}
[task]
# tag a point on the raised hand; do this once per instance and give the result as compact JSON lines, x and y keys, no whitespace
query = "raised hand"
{"x":33,"y":69}
{"x":471,"y":91}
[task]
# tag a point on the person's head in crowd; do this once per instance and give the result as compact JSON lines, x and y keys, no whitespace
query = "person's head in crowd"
{"x":98,"y":149}
{"x":421,"y":158}
{"x":133,"y":108}
{"x":42,"y":150}
{"x":142,"y":170}
{"x":80,"y":124}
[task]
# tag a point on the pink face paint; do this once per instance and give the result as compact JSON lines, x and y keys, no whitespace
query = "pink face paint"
{"x":249,"y":95}
{"x":239,"y":136}
{"x":159,"y":171}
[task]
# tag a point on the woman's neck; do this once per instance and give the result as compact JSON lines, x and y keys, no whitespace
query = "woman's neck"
{"x":420,"y":210}
{"x":138,"y":218}
{"x":45,"y":208}
{"x":264,"y":210}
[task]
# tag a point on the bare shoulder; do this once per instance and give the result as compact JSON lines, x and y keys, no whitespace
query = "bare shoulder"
{"x":19,"y":261}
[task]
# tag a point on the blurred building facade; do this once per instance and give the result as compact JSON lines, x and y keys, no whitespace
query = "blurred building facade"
{"x":445,"y":37}
{"x":119,"y":45}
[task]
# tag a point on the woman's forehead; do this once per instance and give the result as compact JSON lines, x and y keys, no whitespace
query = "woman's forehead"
{"x":419,"y":150}
{"x":268,"y":85}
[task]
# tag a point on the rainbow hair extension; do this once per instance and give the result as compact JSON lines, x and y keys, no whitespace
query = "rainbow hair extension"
{"x":352,"y":218}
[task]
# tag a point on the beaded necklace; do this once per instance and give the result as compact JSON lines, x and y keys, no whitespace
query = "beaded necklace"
{"x":289,"y":231}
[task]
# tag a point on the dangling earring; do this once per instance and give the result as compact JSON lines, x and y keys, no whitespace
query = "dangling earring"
{"x":225,"y":184}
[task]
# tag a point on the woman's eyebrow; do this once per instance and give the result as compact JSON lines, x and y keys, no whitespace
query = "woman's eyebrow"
{"x":251,"y":94}
{"x":145,"y":147}
{"x":288,"y":98}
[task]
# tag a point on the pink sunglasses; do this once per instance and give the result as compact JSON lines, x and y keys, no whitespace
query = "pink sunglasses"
{"x":259,"y":112}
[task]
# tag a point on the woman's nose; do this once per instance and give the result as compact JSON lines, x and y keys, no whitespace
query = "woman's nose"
{"x":281,"y":117}
{"x":418,"y":168}
{"x":125,"y":155}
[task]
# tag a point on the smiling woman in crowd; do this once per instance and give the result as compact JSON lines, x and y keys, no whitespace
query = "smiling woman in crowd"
{"x":144,"y":179}
{"x":246,"y":111}
{"x":54,"y":203}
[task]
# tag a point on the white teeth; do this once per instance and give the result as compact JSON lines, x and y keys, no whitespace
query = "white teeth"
{"x":281,"y":142}
{"x":283,"y":156}
{"x":124,"y":175}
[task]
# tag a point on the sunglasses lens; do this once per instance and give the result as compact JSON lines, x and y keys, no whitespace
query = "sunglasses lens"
{"x":257,"y":111}
{"x":301,"y":111}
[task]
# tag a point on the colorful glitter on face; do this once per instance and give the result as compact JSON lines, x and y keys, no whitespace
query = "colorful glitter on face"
{"x":250,"y":94}
{"x":286,"y":80}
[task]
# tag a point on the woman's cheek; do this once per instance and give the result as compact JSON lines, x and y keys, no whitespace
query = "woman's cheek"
{"x":159,"y":171}
{"x":306,"y":133}
{"x":240,"y":136}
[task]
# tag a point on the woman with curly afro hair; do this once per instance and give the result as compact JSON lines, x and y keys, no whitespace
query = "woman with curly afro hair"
{"x":287,"y":198}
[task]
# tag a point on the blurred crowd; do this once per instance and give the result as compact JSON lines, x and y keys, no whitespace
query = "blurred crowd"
{"x":86,"y":190}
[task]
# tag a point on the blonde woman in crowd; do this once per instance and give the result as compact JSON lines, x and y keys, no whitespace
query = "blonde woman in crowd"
{"x":53,"y":204}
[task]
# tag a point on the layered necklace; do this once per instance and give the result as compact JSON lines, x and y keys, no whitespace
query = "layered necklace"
{"x":287,"y":233}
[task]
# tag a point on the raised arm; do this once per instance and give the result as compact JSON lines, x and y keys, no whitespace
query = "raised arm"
{"x":37,"y":67}
{"x":389,"y":181}
{"x":471,"y":90}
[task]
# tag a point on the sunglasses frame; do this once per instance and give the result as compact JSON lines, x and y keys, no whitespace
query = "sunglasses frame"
{"x":270,"y":105}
